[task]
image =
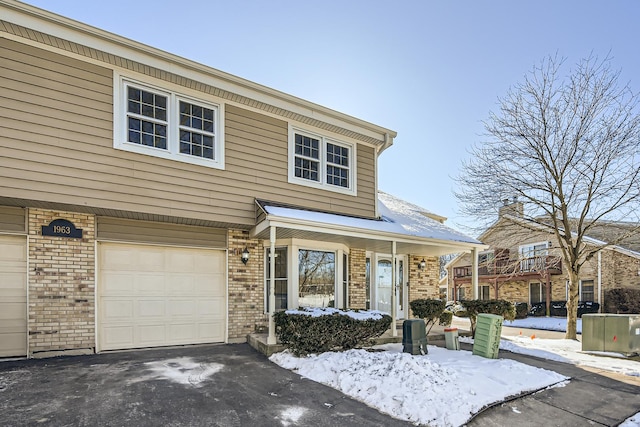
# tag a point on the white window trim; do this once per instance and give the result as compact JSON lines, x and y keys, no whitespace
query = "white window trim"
{"x":322,"y":184}
{"x":293,"y":246}
{"x":593,"y":283}
{"x":173,"y":134}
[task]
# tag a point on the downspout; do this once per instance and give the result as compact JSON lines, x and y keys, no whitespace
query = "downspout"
{"x":600,"y":281}
{"x":379,"y":151}
{"x":271,"y":339}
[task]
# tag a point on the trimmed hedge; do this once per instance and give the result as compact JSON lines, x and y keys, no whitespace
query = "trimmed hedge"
{"x":445,"y":318}
{"x":429,"y":310}
{"x":500,"y":307}
{"x":522,"y":309}
{"x":622,"y":301}
{"x":304,"y":334}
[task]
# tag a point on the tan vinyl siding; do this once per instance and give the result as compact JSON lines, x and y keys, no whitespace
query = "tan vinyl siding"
{"x":257,"y":146}
{"x":65,"y":154}
{"x":12,"y":219}
{"x":117,"y":229}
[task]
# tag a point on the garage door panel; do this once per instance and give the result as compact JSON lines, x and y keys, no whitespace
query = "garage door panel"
{"x":117,"y":283}
{"x":151,"y":259}
{"x":13,"y":343}
{"x":182,"y":300}
{"x":13,"y":296}
{"x":148,"y":284}
{"x":182,"y":308}
{"x":211,"y":331}
{"x":114,"y":310}
{"x":117,"y":336}
{"x":212,"y":305}
{"x":210,"y":265}
{"x":14,"y":311}
{"x":151,"y":308}
{"x":182,"y":332}
{"x":181,"y":262}
{"x":152,"y":335}
{"x":181,"y":284}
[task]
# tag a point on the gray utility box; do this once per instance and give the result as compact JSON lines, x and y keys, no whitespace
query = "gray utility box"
{"x":451,"y":340}
{"x":616,"y":333}
{"x":414,"y":337}
{"x":486,"y":341}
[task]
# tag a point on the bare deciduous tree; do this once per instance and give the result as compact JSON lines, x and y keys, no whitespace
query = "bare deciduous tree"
{"x":569,"y":148}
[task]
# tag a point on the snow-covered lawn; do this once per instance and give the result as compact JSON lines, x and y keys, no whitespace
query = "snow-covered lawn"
{"x":545,"y":323}
{"x":421,"y":389}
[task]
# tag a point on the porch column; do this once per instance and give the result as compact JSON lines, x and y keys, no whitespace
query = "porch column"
{"x":394,"y":310}
{"x":271,"y":339}
{"x":474,"y":272}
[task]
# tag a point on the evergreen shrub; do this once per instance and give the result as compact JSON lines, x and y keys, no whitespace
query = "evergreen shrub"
{"x":429,"y":310}
{"x":333,"y":330}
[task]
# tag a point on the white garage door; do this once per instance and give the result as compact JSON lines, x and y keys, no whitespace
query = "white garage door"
{"x":13,"y":296}
{"x":153,"y":296}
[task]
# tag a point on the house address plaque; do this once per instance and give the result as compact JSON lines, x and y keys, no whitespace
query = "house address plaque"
{"x":62,"y":228}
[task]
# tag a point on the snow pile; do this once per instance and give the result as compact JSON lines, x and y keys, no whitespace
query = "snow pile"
{"x":421,"y":389}
{"x":545,"y":323}
{"x":328,"y":311}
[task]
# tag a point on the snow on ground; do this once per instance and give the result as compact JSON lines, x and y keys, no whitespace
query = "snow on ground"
{"x":181,"y":370}
{"x":545,"y":323}
{"x":421,"y":389}
{"x":633,"y":421}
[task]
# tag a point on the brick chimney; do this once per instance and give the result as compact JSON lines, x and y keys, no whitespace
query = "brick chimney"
{"x":511,"y":207}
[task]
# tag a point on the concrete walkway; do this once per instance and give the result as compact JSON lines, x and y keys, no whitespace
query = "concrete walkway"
{"x":591,"y":398}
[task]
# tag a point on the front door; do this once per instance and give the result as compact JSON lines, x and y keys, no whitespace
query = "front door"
{"x":384,"y":268}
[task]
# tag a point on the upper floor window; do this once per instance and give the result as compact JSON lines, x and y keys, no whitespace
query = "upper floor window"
{"x":318,"y":161}
{"x":167,"y":124}
{"x":533,"y":256}
{"x":534,"y":250}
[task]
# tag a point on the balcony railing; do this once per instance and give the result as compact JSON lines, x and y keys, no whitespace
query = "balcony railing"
{"x":513,"y":267}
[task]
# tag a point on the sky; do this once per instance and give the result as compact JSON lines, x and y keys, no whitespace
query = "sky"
{"x":432,"y":71}
{"x":399,"y":384}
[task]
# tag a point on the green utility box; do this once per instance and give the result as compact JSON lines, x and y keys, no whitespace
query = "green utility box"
{"x":414,"y":337}
{"x":617,"y":333}
{"x":486,"y":342}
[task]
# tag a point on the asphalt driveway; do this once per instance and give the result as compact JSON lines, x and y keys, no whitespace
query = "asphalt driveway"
{"x":216,"y":385}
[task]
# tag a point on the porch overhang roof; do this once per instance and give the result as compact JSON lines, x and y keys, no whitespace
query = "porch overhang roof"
{"x":427,"y":239}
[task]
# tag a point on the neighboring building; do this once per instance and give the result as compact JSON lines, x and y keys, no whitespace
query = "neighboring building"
{"x":141,"y":194}
{"x":523,"y":264}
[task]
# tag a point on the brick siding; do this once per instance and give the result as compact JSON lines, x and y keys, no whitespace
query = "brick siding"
{"x":246,"y":286}
{"x":61,"y":284}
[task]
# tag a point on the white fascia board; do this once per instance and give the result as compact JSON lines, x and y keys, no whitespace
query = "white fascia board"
{"x":86,"y":35}
{"x":348,"y":231}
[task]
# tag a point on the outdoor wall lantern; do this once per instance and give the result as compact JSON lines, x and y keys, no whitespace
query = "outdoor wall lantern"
{"x":245,"y":256}
{"x":422,"y":265}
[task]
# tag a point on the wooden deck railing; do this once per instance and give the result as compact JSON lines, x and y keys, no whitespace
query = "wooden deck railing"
{"x":513,"y":267}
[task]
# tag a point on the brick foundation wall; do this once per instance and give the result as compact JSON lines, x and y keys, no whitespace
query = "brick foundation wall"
{"x":246,"y":286}
{"x":61,"y":284}
{"x":357,"y":279}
